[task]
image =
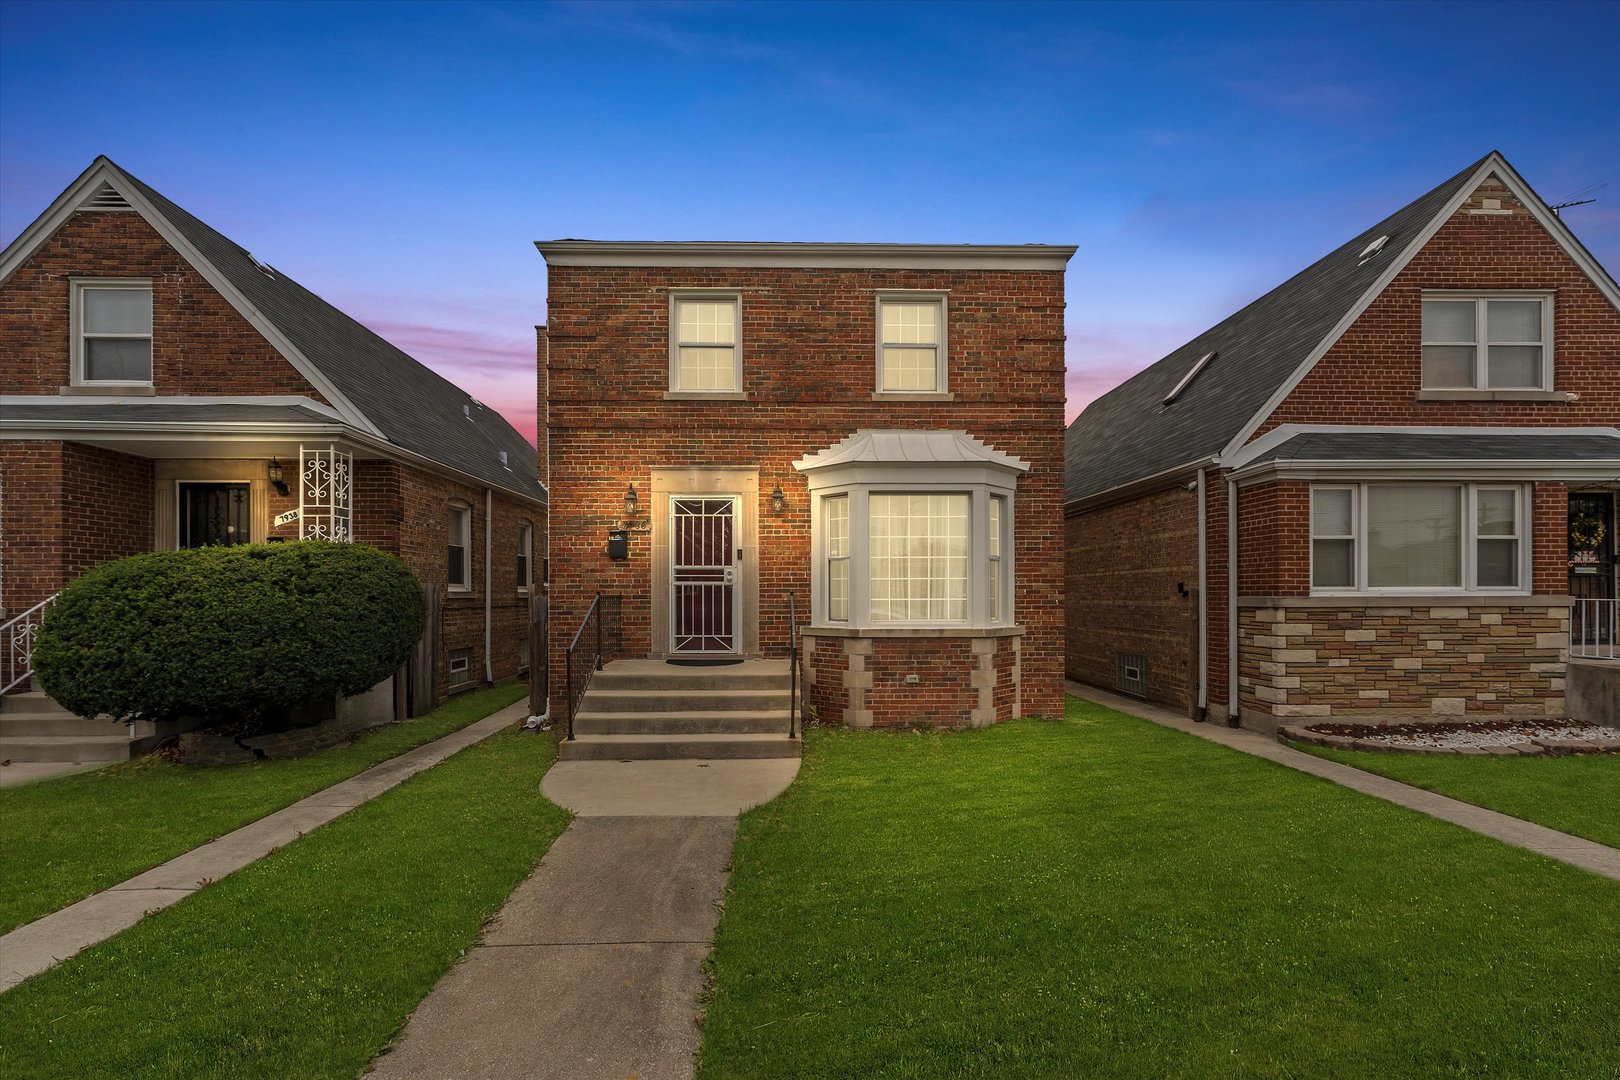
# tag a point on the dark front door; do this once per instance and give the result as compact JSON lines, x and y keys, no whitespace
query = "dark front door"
{"x":703,"y":575}
{"x":1591,"y":545}
{"x":213,"y":514}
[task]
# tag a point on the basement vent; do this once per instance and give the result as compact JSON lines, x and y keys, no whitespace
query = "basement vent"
{"x":1131,"y":674}
{"x":105,"y":197}
{"x":1203,"y":361}
{"x":460,"y":668}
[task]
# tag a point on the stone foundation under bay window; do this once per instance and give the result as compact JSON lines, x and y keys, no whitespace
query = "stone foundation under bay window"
{"x":1388,"y":659}
{"x":941,"y":678}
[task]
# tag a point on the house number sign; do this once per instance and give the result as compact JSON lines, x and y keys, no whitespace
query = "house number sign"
{"x":287,"y":518}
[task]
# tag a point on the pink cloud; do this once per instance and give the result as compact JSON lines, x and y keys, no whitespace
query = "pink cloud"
{"x":1102,"y":356}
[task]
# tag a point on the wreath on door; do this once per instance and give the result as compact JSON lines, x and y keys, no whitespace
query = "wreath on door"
{"x":1586,"y":531}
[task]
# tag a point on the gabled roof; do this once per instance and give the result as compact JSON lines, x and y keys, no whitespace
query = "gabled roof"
{"x":1130,"y":435}
{"x":880,"y":446}
{"x":373,"y":385}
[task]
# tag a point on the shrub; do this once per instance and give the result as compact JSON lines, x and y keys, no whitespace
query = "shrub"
{"x":234,"y":634}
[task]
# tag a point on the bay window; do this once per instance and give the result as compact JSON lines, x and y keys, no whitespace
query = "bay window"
{"x":918,"y":550}
{"x":1492,"y":341}
{"x":1418,"y":537}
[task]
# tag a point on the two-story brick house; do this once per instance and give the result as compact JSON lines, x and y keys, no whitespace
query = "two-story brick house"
{"x":873,"y":429}
{"x":1413,"y":442}
{"x":160,"y":388}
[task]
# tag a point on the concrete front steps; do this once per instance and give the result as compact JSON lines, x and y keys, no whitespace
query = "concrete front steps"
{"x":34,"y":728}
{"x":639,"y":710}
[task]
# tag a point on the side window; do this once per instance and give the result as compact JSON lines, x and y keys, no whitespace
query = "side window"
{"x":525,"y":556}
{"x":112,"y":332}
{"x":911,"y":344}
{"x":705,"y":333}
{"x":1487,"y":342}
{"x":460,"y":545}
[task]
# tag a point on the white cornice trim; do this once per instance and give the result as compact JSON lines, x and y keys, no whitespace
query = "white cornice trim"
{"x":706,"y":253}
{"x":1493,"y":163}
{"x":104,"y":171}
{"x":1139,"y":486}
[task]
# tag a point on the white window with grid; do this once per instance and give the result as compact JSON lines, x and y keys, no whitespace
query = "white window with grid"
{"x":993,"y":541}
{"x":835,"y":512}
{"x":919,"y":558}
{"x":1492,"y":341}
{"x":112,"y":332}
{"x":911,"y":344}
{"x":705,"y":340}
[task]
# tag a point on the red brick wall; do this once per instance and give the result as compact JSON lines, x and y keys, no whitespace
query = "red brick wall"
{"x":65,"y":508}
{"x":808,"y":361}
{"x":200,"y":344}
{"x":1124,"y":563}
{"x":1274,"y":539}
{"x":1373,"y":373}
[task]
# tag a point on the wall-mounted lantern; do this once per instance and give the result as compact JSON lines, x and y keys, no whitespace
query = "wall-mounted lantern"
{"x":276,"y":480}
{"x":630,"y":505}
{"x":778,"y":500}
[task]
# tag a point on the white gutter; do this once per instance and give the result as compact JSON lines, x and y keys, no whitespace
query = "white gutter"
{"x":1203,"y":597}
{"x":489,"y":541}
{"x":1231,"y":603}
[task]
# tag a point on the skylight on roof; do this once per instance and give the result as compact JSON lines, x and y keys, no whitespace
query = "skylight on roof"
{"x":1372,"y":249}
{"x":264,"y":268}
{"x":1189,"y":377}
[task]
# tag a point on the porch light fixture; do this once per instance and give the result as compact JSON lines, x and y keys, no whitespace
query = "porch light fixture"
{"x":778,"y":500}
{"x":630,"y":502}
{"x":275,"y":477}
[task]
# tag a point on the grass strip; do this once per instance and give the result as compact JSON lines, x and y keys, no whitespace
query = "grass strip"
{"x":305,"y":963}
{"x":64,"y":839}
{"x":1578,"y":794}
{"x":1107,"y":897}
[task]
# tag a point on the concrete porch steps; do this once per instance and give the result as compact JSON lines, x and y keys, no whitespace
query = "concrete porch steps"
{"x":65,"y":748}
{"x":34,"y":728}
{"x":640,"y":710}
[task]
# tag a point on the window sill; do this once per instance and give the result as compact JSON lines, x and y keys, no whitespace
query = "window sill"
{"x":704,"y":395}
{"x":108,"y":390}
{"x":1495,"y":395}
{"x":914,"y":631}
{"x":458,"y":590}
{"x":909,"y":395}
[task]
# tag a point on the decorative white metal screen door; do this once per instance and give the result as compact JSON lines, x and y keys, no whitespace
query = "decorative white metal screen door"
{"x":703,"y":574}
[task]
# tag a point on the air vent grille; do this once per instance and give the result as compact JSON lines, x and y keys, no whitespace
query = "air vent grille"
{"x":106,"y":198}
{"x":1131,"y":674}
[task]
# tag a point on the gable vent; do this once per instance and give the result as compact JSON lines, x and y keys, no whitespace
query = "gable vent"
{"x":105,"y":197}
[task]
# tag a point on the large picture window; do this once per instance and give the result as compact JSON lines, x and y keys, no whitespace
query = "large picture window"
{"x":704,"y":341}
{"x":1488,"y":342}
{"x":1417,"y":537}
{"x":112,"y":332}
{"x":919,"y":558}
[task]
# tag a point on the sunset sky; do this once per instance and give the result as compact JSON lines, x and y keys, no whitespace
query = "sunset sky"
{"x":400,"y":159}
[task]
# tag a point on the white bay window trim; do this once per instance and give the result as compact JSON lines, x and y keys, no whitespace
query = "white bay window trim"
{"x":85,"y":333}
{"x":1470,"y":536}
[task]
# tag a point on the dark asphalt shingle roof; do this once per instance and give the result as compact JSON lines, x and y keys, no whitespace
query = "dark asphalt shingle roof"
{"x":1406,"y":446}
{"x":1128,"y":433}
{"x":144,"y":412}
{"x":413,"y":406}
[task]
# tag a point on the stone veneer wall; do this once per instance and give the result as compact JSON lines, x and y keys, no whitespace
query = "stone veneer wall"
{"x":962,"y":680}
{"x":1360,"y":663}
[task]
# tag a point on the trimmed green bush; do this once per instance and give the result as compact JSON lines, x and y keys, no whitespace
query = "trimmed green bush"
{"x":238,"y":635}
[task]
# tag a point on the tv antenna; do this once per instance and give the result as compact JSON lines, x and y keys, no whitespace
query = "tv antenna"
{"x":1574,"y":198}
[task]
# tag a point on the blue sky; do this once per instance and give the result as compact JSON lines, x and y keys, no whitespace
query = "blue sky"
{"x":400,"y":159}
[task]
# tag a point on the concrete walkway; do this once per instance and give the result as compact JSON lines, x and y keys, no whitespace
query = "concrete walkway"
{"x":594,"y":966}
{"x":1586,"y":854}
{"x":43,"y":943}
{"x":18,"y":773}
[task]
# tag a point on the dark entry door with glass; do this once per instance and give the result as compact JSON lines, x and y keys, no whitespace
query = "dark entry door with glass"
{"x":1591,"y":545}
{"x":703,"y":578}
{"x":213,"y":514}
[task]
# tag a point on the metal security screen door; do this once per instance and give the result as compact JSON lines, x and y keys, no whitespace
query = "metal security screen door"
{"x":703,"y":575}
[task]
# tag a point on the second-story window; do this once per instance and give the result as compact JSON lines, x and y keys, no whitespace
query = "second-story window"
{"x":911,"y":344}
{"x":460,"y":566}
{"x":112,"y":332}
{"x":1493,"y":341}
{"x":704,"y":344}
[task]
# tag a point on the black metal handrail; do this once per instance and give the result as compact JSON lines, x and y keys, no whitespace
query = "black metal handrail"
{"x":574,"y":695}
{"x":793,"y":668}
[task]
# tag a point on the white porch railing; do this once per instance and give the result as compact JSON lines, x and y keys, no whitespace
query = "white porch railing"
{"x":17,"y":637}
{"x":1593,"y":626}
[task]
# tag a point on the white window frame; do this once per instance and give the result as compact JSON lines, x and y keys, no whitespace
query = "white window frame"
{"x":1354,"y":536}
{"x":941,"y":348}
{"x":827,"y":559}
{"x":458,"y":512}
{"x":526,"y":553}
{"x":1482,"y":343}
{"x":997,"y":547}
{"x":77,"y":375}
{"x":734,"y":297}
{"x":1468,"y":537}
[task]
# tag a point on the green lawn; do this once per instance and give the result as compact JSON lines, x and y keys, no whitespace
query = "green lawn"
{"x":64,"y":839}
{"x":1105,"y":897}
{"x":1579,"y":795}
{"x":305,"y":963}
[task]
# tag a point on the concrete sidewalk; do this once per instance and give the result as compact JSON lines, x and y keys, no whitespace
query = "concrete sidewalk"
{"x":594,"y":966}
{"x":1586,"y":854}
{"x":43,"y":943}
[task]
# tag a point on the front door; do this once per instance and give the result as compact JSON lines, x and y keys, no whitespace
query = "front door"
{"x":213,"y":514}
{"x":704,"y":554}
{"x":1591,"y":545}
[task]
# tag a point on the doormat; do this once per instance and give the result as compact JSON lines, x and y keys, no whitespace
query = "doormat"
{"x":706,"y":661}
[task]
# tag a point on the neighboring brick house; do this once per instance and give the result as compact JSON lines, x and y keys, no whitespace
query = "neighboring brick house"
{"x":1416,"y":441}
{"x":161,"y":388}
{"x":874,"y":429}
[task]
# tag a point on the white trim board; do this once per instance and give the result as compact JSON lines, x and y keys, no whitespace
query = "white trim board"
{"x":801,"y":255}
{"x":1284,"y":432}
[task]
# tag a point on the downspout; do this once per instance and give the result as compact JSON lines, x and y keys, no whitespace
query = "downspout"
{"x":543,"y":426}
{"x":1202,"y":713}
{"x":1231,"y":604}
{"x":489,"y":540}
